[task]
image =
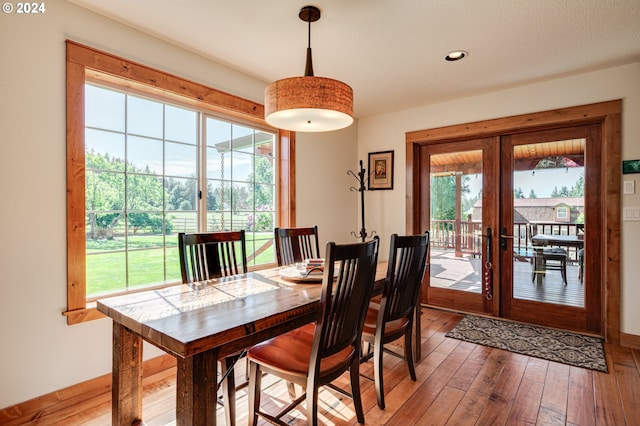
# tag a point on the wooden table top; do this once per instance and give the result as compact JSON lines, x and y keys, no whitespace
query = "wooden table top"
{"x":559,"y":240}
{"x":185,"y":320}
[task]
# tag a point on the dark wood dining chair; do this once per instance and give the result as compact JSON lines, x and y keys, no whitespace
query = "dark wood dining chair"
{"x":209,"y":255}
{"x":296,"y":244}
{"x":316,"y":354}
{"x":392,"y":318}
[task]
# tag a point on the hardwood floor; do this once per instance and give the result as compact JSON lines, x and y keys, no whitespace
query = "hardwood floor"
{"x":458,"y":383}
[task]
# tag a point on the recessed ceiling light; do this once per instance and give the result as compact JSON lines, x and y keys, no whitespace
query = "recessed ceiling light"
{"x":456,"y":55}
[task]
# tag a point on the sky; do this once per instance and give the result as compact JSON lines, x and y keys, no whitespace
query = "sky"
{"x":543,"y":182}
{"x":546,"y":180}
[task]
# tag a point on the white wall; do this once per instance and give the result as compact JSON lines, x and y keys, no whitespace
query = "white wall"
{"x":323,"y":197}
{"x":386,"y":209}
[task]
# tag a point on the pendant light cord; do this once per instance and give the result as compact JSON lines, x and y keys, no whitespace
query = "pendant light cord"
{"x":308,"y":69}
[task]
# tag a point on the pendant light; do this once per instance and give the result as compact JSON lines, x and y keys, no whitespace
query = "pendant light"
{"x":308,"y":103}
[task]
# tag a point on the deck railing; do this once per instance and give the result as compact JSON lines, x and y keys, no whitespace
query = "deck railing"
{"x":465,"y":236}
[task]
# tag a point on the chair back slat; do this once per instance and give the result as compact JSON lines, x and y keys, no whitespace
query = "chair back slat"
{"x":296,"y":244}
{"x":308,"y":246}
{"x":208,"y":255}
{"x":344,"y":300}
{"x":407,"y":263}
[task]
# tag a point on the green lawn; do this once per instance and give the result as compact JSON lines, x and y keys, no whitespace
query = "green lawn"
{"x":107,"y":266}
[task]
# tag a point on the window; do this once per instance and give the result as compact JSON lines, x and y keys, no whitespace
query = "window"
{"x":144,"y":163}
{"x":562,"y":213}
{"x":143,"y":187}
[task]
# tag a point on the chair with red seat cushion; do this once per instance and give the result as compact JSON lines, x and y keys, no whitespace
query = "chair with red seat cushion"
{"x":316,"y":354}
{"x":393,"y":317}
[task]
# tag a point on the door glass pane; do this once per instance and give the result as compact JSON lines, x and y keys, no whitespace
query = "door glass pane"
{"x":456,"y":221}
{"x":548,"y":228}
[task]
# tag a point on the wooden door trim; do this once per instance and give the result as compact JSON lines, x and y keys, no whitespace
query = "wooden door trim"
{"x":608,"y":116}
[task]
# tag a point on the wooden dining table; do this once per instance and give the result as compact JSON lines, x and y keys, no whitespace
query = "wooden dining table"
{"x":200,"y":324}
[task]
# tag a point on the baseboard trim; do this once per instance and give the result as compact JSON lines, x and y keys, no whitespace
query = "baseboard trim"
{"x":44,"y":405}
{"x":630,"y":341}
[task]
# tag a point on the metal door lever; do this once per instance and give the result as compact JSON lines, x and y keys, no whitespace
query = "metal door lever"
{"x":503,"y":239}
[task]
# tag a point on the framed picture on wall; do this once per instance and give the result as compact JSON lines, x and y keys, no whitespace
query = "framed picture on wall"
{"x":381,"y":170}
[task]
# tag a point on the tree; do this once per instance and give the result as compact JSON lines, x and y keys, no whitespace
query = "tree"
{"x":213,"y":197}
{"x":517,"y":193}
{"x":144,"y":192}
{"x":182,"y":194}
{"x":577,"y":190}
{"x":239,"y":198}
{"x":443,"y":196}
{"x":469,"y":202}
{"x":564,"y":192}
{"x":105,"y":196}
{"x":532,"y":194}
{"x":147,"y":220}
{"x":261,"y":194}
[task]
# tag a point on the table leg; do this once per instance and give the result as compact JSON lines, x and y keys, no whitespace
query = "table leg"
{"x":196,"y":389}
{"x":126,"y":391}
{"x":229,"y":389}
{"x":538,"y":265}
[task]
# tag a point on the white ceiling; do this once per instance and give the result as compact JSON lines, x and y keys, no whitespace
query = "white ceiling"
{"x":392,"y":52}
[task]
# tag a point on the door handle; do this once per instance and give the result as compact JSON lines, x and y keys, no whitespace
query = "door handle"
{"x":488,"y":267}
{"x":489,"y":238}
{"x":503,"y":239}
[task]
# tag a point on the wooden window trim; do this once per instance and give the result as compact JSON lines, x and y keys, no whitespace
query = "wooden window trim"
{"x":85,"y":63}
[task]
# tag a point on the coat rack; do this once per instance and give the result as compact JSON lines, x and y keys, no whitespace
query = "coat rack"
{"x":362,"y":180}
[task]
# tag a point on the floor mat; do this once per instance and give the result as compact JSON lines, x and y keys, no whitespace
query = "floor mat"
{"x":554,"y":345}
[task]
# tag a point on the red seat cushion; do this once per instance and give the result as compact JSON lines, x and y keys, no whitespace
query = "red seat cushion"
{"x":291,"y":352}
{"x":390,"y":327}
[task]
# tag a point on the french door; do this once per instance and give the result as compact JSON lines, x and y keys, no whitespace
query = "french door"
{"x":515,"y":226}
{"x":461,"y":182}
{"x":550,"y":242}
